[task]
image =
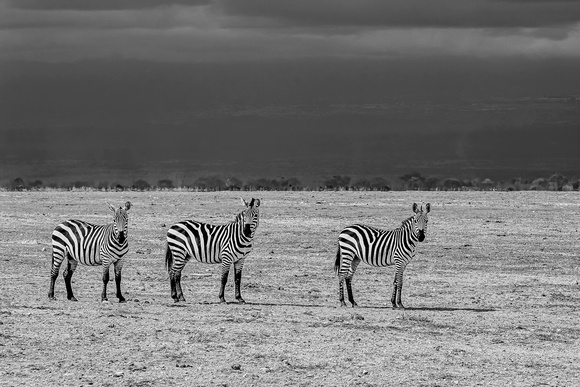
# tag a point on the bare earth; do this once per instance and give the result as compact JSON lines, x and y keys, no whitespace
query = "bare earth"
{"x":492,"y":296}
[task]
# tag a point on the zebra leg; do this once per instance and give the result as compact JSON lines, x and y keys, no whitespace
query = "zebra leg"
{"x":173,"y":285}
{"x":238,"y":266}
{"x":175,"y":261}
{"x":343,"y":267}
{"x":118,"y":266}
{"x":341,"y":290}
{"x":105,"y":282}
{"x":178,"y":289}
{"x":57,"y":258}
{"x":397,"y":291}
{"x":400,"y":294}
{"x":67,"y":274}
{"x":394,"y":296}
{"x":349,"y":290}
{"x":238,"y":282}
{"x":225,"y":272}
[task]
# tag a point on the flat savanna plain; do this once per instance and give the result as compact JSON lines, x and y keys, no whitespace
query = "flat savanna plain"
{"x":492,"y":295}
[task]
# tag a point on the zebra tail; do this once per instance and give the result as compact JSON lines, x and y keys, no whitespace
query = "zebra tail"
{"x":168,"y":258}
{"x":337,"y":261}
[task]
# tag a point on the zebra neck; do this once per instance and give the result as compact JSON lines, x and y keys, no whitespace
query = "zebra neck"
{"x":409,"y":226}
{"x":239,"y":230}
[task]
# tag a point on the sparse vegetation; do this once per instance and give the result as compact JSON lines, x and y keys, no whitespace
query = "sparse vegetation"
{"x":412,"y":181}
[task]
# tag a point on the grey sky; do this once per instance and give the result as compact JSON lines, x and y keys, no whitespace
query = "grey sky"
{"x":222,"y":30}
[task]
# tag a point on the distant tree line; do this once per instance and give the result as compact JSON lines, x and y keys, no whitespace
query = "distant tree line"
{"x":408,"y":181}
{"x":556,"y":182}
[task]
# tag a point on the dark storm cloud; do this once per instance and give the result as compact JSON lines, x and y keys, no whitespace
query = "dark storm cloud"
{"x":98,"y":5}
{"x":410,"y":13}
{"x":228,"y":30}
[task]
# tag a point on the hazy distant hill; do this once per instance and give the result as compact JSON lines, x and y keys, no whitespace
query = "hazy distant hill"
{"x":142,"y":120}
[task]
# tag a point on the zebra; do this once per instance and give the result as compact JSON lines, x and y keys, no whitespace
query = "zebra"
{"x":378,"y":247}
{"x":207,"y":243}
{"x":91,"y":245}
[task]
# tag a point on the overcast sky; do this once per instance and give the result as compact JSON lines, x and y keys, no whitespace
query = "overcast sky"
{"x":222,"y":30}
{"x":137,"y":68}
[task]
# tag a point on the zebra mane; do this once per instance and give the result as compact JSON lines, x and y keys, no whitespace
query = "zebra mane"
{"x":238,"y":217}
{"x":407,"y":222}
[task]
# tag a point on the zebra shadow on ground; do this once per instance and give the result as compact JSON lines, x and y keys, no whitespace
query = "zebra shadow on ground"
{"x":377,"y":307}
{"x":234,"y":303}
{"x":451,"y":309}
{"x":424,"y":308}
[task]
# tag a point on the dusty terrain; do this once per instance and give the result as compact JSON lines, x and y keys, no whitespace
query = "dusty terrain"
{"x":492,"y":296}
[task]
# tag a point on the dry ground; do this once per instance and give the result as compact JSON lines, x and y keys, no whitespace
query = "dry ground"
{"x":492,"y":295}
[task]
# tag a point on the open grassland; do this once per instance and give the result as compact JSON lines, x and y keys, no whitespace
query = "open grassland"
{"x":492,"y":296}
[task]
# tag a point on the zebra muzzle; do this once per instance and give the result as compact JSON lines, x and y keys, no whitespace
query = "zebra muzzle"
{"x":247,"y":230}
{"x":421,"y":235}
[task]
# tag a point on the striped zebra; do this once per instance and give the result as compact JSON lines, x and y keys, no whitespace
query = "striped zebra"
{"x":92,"y":245}
{"x":225,"y":244}
{"x":378,"y":247}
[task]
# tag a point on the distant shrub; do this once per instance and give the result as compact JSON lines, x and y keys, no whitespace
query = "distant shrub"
{"x":374,"y":184}
{"x":103,"y":185}
{"x":557,"y":182}
{"x":540,"y":184}
{"x":413,"y":181}
{"x":141,"y":185}
{"x":234,"y":184}
{"x":36,"y":184}
{"x":337,"y":182}
{"x":452,"y":184}
{"x":212,"y":183}
{"x":17,"y":185}
{"x":165,"y":184}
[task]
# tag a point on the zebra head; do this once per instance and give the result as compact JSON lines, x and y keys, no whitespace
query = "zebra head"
{"x":420,"y":220}
{"x":251,"y":217}
{"x":120,"y":222}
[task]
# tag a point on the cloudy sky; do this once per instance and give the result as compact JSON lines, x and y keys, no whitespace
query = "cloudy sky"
{"x":87,"y":72}
{"x":222,"y":30}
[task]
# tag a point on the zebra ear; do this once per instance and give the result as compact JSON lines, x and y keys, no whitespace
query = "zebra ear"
{"x":415,"y":207}
{"x":428,"y":207}
{"x":244,"y":202}
{"x":127,"y":206}
{"x":112,"y":207}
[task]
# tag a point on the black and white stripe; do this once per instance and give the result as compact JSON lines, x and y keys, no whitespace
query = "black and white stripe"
{"x":378,"y":247}
{"x":91,"y":245}
{"x":207,"y":243}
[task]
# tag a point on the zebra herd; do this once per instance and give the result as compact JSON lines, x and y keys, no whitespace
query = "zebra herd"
{"x":228,"y":244}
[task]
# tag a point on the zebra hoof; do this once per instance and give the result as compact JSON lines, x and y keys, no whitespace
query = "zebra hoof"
{"x":122,"y":301}
{"x":72,"y":298}
{"x":53,"y":298}
{"x":105,"y":301}
{"x":241,"y":301}
{"x":343,"y":304}
{"x":354,"y":305}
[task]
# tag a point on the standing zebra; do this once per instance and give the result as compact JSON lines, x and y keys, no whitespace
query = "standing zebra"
{"x":92,"y":245}
{"x":378,"y":247}
{"x":225,"y":244}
